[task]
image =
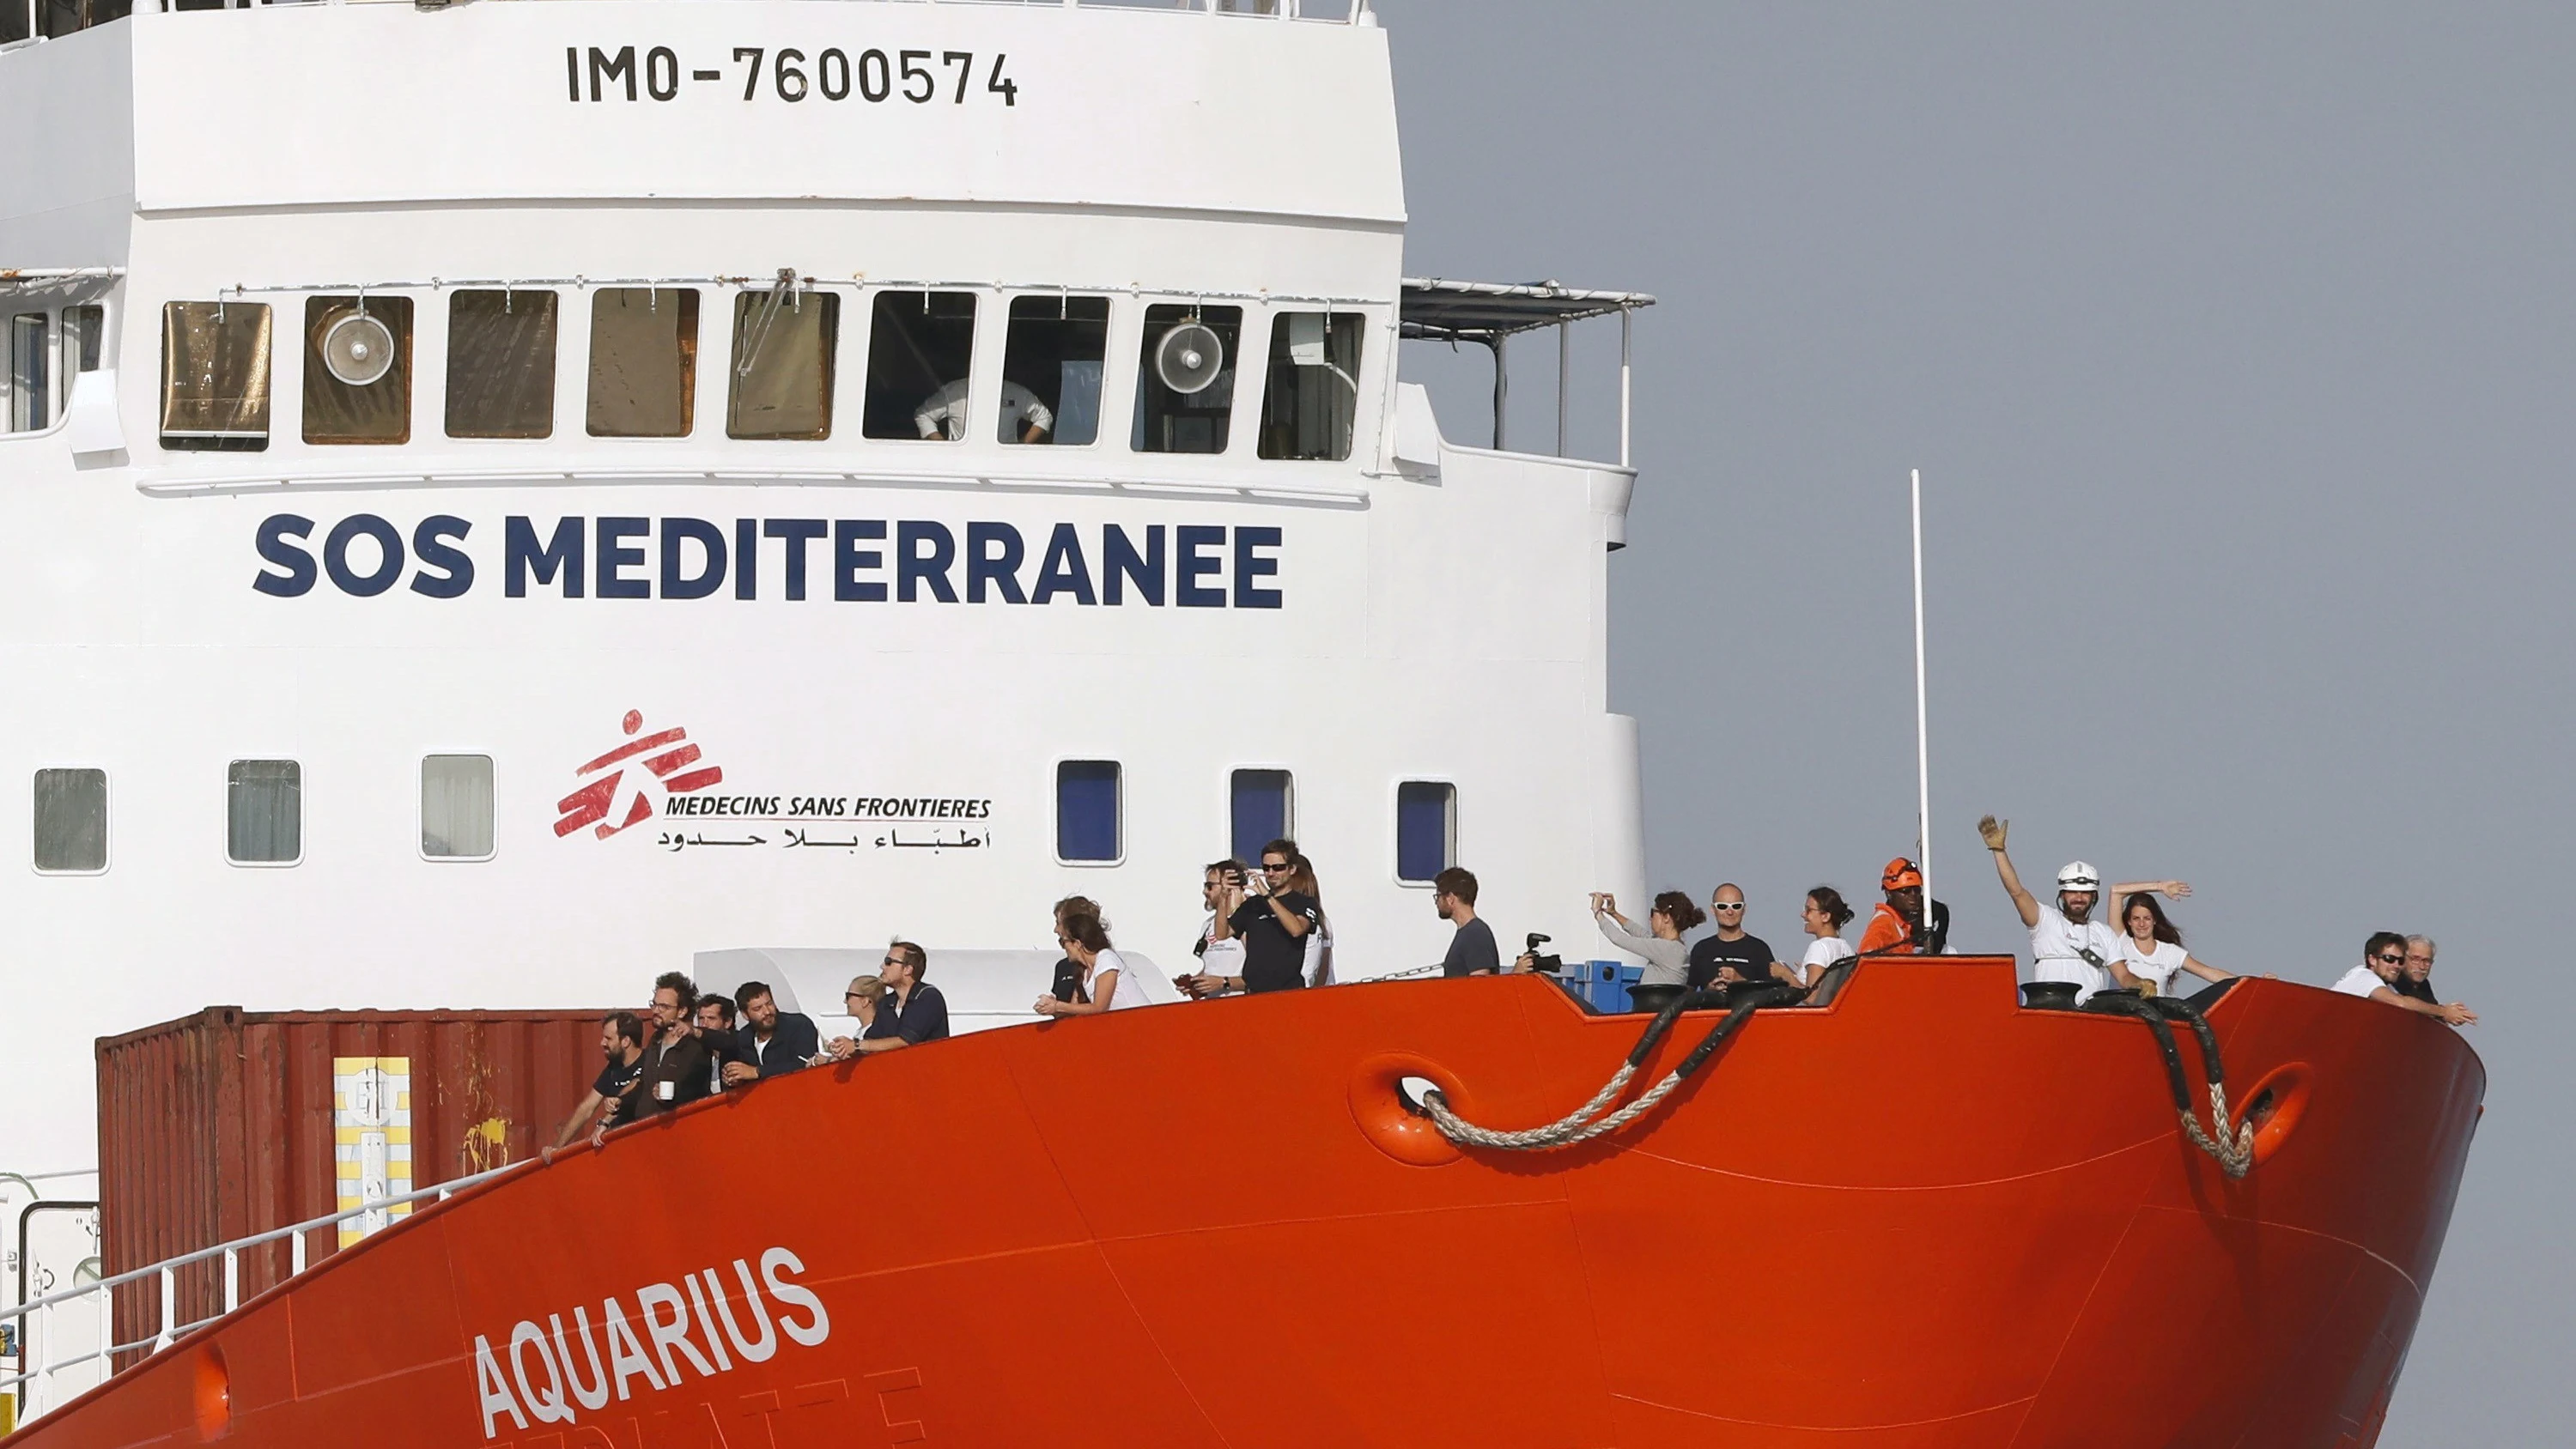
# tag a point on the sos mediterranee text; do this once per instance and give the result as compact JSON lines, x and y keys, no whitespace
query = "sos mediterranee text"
{"x":846,"y":560}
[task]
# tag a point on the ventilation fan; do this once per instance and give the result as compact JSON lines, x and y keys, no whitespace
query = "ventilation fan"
{"x":1189,"y":357}
{"x":358,"y":349}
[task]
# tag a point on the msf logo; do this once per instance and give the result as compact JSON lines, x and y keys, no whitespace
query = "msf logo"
{"x":622,"y":795}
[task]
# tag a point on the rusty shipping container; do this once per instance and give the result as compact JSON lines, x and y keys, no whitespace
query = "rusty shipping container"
{"x":230,"y":1122}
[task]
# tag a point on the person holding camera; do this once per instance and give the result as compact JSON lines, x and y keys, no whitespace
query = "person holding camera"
{"x":1472,"y":951}
{"x":1667,"y":959}
{"x":1272,"y":921}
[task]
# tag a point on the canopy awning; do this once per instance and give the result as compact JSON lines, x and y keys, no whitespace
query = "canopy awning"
{"x":1445,"y":311}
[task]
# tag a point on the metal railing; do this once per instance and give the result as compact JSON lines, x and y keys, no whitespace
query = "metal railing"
{"x":33,"y":1384}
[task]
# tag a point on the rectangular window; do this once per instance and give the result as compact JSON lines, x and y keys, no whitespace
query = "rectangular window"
{"x":264,"y":812}
{"x":15,"y":16}
{"x":1185,"y":379}
{"x":643,"y":362}
{"x":501,"y":364}
{"x":84,"y":344}
{"x":456,"y":807}
{"x":357,"y":370}
{"x":71,"y":821}
{"x":1086,"y":810}
{"x":782,"y":364}
{"x":214,"y":375}
{"x":1426,"y":830}
{"x":1313,"y":390}
{"x":1261,"y":811}
{"x":1051,"y":370}
{"x":31,"y":388}
{"x":921,"y":351}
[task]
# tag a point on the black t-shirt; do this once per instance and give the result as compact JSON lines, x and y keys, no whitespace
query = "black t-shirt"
{"x":923,"y":1018}
{"x":1273,"y":960}
{"x":614,"y":1077}
{"x":1472,"y":950}
{"x":1068,"y":983}
{"x":2406,"y":985}
{"x":1750,"y":956}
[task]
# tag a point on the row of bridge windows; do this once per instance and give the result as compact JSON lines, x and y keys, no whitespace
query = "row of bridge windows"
{"x":264,"y":815}
{"x":783,"y":354}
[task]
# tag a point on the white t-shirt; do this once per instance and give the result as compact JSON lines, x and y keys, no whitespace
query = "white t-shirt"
{"x":2160,"y":965}
{"x":1826,"y":951}
{"x":1219,"y":958}
{"x":943,"y":413}
{"x":1319,"y":945}
{"x":1130,"y":992}
{"x":2359,"y":981}
{"x":2054,"y":942}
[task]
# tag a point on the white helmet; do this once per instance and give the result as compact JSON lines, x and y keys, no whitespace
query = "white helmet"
{"x":2077,"y":876}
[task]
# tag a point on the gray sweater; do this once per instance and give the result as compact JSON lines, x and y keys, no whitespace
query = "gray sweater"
{"x":1667,"y":962}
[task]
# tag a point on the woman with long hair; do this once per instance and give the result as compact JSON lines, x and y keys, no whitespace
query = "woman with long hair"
{"x":1825,"y":916}
{"x":1319,"y":941}
{"x":1667,"y":959}
{"x":2151,"y":953}
{"x":1086,"y":943}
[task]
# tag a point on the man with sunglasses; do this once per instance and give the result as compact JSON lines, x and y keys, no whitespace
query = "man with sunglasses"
{"x":1728,"y":955}
{"x":2383,"y":963}
{"x":913,"y":1011}
{"x":1272,"y":923}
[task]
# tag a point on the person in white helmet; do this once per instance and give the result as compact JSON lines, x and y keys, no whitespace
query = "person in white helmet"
{"x":2066,"y":944}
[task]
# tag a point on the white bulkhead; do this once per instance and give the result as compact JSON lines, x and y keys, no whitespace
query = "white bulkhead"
{"x":469,"y":539}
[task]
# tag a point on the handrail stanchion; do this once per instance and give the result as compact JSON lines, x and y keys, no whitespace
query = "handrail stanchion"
{"x":232,"y":1279}
{"x":295,"y":1254}
{"x":169,"y":1309}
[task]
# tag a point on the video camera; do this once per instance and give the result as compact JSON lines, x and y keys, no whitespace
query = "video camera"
{"x":1549,"y":964}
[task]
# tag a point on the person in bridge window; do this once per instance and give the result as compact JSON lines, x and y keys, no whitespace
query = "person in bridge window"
{"x":1472,"y":951}
{"x":1667,"y":959}
{"x":1825,"y":916}
{"x":676,"y":1067}
{"x":2151,"y":958}
{"x":2066,"y":945}
{"x":1728,"y":956}
{"x":774,"y":1042}
{"x":2418,"y":980}
{"x":1272,"y":920}
{"x":621,"y":1044}
{"x":2383,"y":965}
{"x":1220,"y":957}
{"x":943,"y":413}
{"x":1085,"y":938}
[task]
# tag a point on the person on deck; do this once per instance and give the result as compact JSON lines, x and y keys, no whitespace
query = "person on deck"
{"x":1896,"y":924}
{"x":865,"y":1003}
{"x":724,"y":1044}
{"x":676,"y":1070}
{"x":1825,"y":916}
{"x":1069,"y":973}
{"x":2066,"y":944}
{"x":1220,"y":956}
{"x":1472,"y":951}
{"x":621,"y":1043}
{"x":2383,"y":965}
{"x":1667,"y":959}
{"x":2151,"y":957}
{"x":777,"y":1041}
{"x":2418,"y":980}
{"x":1728,"y":955}
{"x":1085,"y":939}
{"x":1272,"y":921}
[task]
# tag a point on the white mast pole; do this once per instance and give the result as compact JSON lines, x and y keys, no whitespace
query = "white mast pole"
{"x":1922,"y":735}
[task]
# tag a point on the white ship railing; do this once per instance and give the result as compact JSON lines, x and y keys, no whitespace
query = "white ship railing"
{"x":33,"y":1385}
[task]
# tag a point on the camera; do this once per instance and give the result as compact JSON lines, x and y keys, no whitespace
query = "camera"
{"x":1550,"y":964}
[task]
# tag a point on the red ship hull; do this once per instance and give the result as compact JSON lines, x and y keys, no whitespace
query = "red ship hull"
{"x":1920,"y":1216}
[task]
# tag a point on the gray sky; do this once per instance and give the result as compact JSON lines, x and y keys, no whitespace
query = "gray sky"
{"x":2235,"y":345}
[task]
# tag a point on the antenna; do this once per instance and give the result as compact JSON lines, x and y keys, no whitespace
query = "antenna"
{"x":1922,"y":735}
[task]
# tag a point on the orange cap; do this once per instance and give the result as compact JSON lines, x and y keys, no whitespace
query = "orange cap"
{"x":1899,"y":874}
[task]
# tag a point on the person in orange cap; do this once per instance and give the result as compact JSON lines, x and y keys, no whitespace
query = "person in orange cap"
{"x":1896,"y":927}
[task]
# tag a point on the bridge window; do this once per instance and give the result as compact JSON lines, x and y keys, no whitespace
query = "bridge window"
{"x":15,"y":19}
{"x":1185,"y":379}
{"x":1086,"y":812}
{"x":71,"y":821}
{"x":357,"y":370}
{"x":214,"y":375}
{"x":1314,"y":389}
{"x":1262,"y":810}
{"x":1051,"y":370}
{"x":84,"y":343}
{"x":643,"y":362}
{"x":264,"y":812}
{"x":31,"y":387}
{"x":501,"y":364}
{"x":1426,"y":830}
{"x":921,"y":350}
{"x":782,"y":364}
{"x":456,"y":807}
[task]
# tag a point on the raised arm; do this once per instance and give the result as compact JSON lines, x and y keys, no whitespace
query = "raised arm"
{"x":2451,"y":1012}
{"x":1992,"y":831}
{"x":2172,"y":890}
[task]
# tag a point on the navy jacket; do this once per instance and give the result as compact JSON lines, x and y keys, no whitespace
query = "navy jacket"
{"x":791,"y":1045}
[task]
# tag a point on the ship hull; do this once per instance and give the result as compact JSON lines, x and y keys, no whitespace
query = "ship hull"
{"x":1921,"y":1216}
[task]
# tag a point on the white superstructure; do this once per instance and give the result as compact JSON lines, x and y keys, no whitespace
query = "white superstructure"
{"x":469,"y":539}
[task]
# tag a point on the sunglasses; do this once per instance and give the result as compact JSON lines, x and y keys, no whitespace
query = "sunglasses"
{"x":1268,"y":869}
{"x":852,"y":995}
{"x":2390,"y":960}
{"x":1726,"y":905}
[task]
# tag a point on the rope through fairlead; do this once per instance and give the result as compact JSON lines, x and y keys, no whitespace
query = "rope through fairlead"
{"x":2235,"y":1156}
{"x":1581,"y":1124}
